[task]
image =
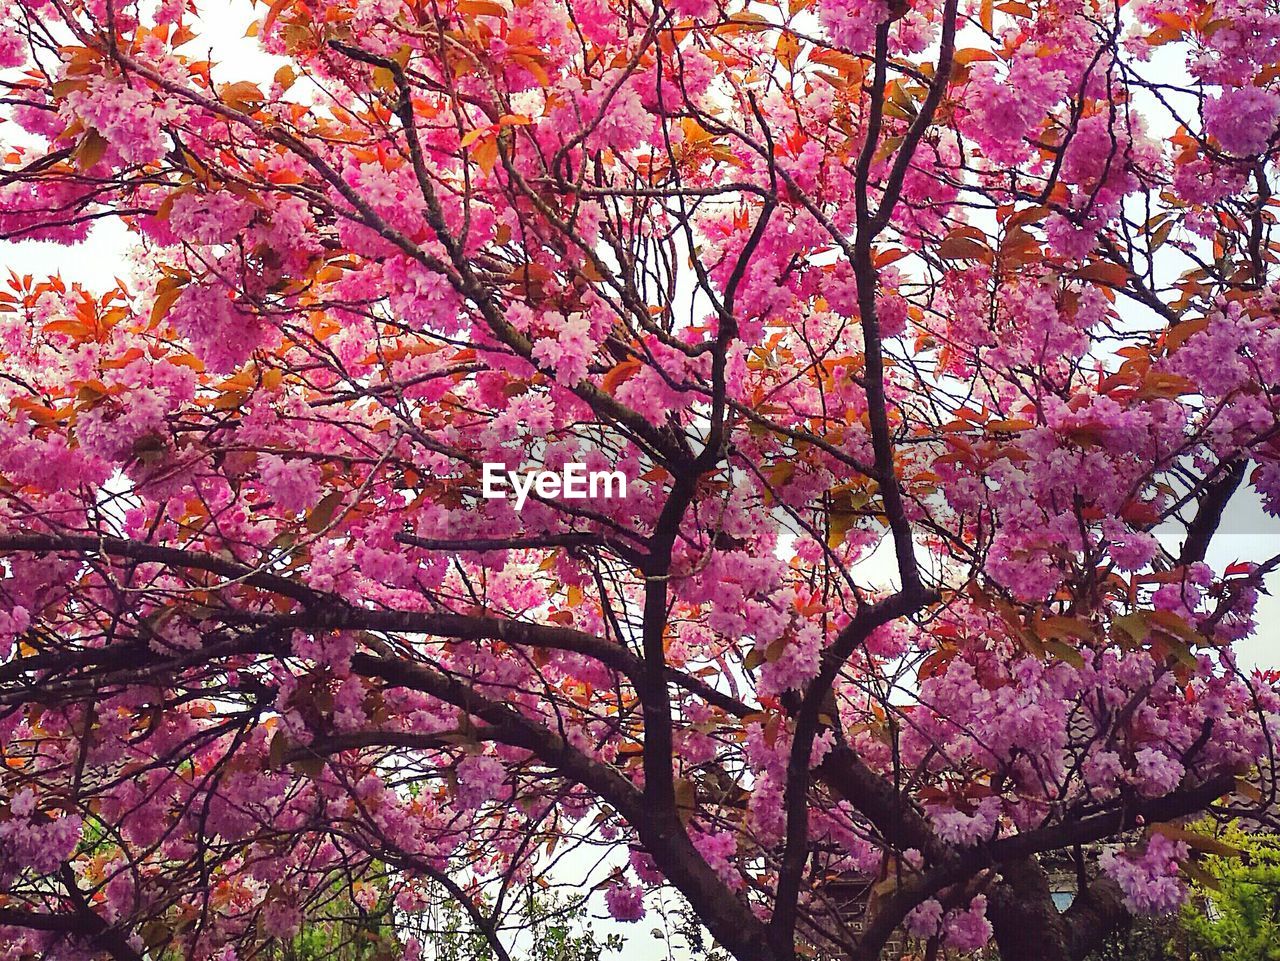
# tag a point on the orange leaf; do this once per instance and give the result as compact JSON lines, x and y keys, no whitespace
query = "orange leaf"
{"x":91,"y":149}
{"x":972,"y":55}
{"x":964,"y":248}
{"x":276,"y":7}
{"x":242,"y":95}
{"x":787,"y":50}
{"x":619,"y":375}
{"x":535,"y":68}
{"x":482,"y":8}
{"x":486,"y":154}
{"x":1113,"y":275}
{"x":167,"y":293}
{"x":1178,"y":334}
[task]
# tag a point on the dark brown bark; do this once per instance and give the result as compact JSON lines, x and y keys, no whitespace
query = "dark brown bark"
{"x":1024,"y":919}
{"x":1096,"y":912}
{"x":1028,"y":926}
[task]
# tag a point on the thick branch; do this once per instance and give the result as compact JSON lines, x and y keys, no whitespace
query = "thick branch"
{"x":1018,"y":847}
{"x":158,"y":554}
{"x":1213,"y":503}
{"x":728,"y":919}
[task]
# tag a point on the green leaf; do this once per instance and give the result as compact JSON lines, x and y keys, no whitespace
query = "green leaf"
{"x":1065,"y":652}
{"x":1133,"y":625}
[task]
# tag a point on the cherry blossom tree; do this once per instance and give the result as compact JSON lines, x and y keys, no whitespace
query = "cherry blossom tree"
{"x":932,"y":338}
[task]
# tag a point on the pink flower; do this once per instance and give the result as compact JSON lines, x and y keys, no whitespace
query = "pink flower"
{"x":13,"y":50}
{"x":567,"y":351}
{"x":280,"y":919}
{"x":625,"y":902}
{"x":421,"y":297}
{"x":294,"y":482}
{"x":130,"y":119}
{"x":718,"y":849}
{"x":644,"y":867}
{"x":698,"y":9}
{"x":925,"y":919}
{"x":1157,"y":773}
{"x":964,"y":829}
{"x":29,"y":840}
{"x":795,"y":664}
{"x":1242,"y":120}
{"x":1131,"y":550}
{"x":222,"y":333}
{"x":968,"y":930}
{"x":480,"y":777}
{"x":621,"y":122}
{"x":1150,"y":879}
{"x":851,"y":24}
{"x":23,"y":803}
{"x":13,"y":623}
{"x":1103,"y":769}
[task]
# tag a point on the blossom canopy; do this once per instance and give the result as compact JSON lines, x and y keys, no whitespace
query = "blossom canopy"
{"x":934,"y":340}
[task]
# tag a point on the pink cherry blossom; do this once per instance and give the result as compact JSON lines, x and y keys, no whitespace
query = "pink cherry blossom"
{"x":1243,"y":120}
{"x":625,"y":902}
